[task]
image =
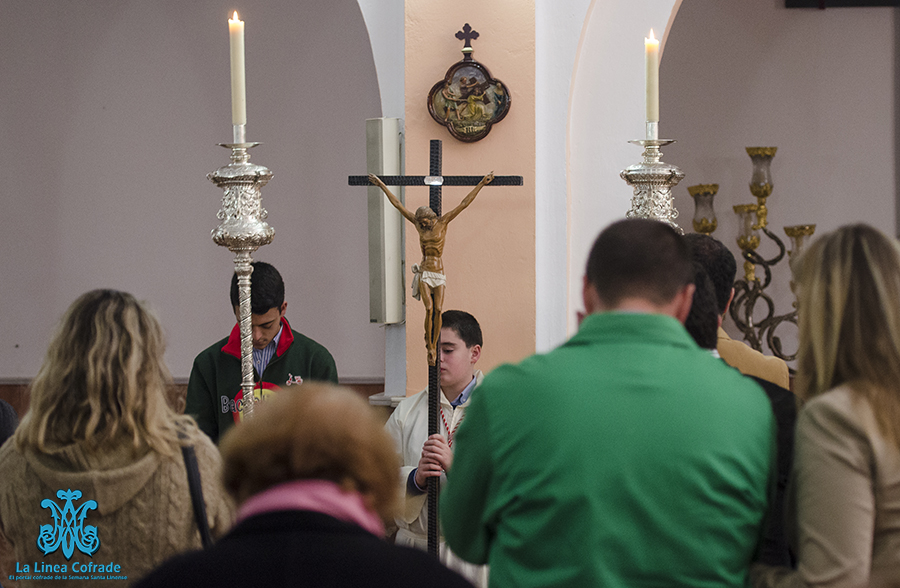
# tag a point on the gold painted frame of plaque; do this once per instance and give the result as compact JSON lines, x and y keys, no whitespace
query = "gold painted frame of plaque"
{"x":468,"y":101}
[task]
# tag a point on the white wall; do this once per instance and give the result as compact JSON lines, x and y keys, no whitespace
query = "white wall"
{"x":384,"y":22}
{"x":819,"y":85}
{"x":607,"y":110}
{"x":558,"y":29}
{"x":110,"y":112}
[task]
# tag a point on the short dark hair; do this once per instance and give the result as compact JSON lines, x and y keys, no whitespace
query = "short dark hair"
{"x":703,"y":321}
{"x":639,"y":258}
{"x":464,"y":325}
{"x":718,"y":262}
{"x":266,"y":288}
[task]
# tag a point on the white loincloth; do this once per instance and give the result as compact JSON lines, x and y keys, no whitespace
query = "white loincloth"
{"x":433,"y":279}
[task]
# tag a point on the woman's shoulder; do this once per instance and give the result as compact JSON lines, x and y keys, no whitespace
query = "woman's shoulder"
{"x":840,"y":403}
{"x":11,"y":460}
{"x":9,"y":450}
{"x":839,"y":413}
{"x":839,"y":398}
{"x":16,"y":468}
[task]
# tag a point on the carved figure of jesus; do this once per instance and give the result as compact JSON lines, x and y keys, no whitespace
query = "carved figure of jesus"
{"x":428,"y":277}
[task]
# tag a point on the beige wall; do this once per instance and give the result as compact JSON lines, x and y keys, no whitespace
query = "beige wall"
{"x":489,"y":253}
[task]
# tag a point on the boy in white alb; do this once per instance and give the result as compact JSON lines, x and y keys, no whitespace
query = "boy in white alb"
{"x":423,"y":456}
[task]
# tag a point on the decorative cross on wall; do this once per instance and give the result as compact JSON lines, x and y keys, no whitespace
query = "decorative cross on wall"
{"x":468,"y":35}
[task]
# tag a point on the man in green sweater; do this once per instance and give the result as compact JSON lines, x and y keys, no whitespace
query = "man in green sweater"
{"x":626,"y":457}
{"x":282,"y":357}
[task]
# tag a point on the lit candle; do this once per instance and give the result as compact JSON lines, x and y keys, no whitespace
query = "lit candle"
{"x":238,"y":83}
{"x":651,"y":48}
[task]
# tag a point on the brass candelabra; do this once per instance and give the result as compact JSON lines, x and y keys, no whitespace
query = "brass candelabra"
{"x":750,"y":291}
{"x":704,"y":220}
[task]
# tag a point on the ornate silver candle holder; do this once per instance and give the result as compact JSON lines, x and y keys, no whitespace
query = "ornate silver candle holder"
{"x":653,"y":181}
{"x":243,"y":230}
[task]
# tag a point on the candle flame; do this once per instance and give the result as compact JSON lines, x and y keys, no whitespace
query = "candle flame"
{"x":236,"y":19}
{"x":652,"y":38}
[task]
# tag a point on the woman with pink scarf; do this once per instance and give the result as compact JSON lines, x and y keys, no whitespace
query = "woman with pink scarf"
{"x":315,"y":476}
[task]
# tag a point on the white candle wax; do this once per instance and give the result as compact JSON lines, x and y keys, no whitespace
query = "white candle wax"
{"x":238,"y":83}
{"x":651,"y":49}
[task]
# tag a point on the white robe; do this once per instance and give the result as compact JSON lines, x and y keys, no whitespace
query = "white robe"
{"x":408,"y":426}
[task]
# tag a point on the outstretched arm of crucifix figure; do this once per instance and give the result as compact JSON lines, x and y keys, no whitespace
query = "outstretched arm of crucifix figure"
{"x":469,"y":198}
{"x":393,"y":199}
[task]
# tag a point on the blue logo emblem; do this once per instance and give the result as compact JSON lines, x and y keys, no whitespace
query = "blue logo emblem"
{"x":68,"y":530}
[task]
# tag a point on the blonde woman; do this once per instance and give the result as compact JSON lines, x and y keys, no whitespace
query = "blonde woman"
{"x":93,"y":483}
{"x":845,"y":487}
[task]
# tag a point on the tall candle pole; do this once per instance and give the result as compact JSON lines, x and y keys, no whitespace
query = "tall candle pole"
{"x":243,"y":229}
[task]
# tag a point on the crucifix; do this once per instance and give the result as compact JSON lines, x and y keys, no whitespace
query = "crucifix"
{"x":428,"y":282}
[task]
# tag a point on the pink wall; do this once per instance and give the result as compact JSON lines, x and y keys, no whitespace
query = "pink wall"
{"x":489,"y":254}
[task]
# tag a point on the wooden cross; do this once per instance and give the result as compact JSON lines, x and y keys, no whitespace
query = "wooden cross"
{"x":467,"y":34}
{"x":435,"y":181}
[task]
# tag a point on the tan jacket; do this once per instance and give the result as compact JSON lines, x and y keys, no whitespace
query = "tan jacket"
{"x":751,"y":362}
{"x":143,"y":513}
{"x":844,"y":500}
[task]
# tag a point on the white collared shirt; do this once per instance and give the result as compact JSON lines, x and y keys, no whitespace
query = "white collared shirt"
{"x":262,"y":357}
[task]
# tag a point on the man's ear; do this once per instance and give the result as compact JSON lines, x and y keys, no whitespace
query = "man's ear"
{"x":474,"y":353}
{"x":590,"y":297}
{"x":681,"y":304}
{"x":283,"y":308}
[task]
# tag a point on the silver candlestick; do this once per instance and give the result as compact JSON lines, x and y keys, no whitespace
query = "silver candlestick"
{"x":653,"y":181}
{"x":243,"y":231}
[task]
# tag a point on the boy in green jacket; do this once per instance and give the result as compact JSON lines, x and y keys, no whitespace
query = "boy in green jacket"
{"x":282,"y":357}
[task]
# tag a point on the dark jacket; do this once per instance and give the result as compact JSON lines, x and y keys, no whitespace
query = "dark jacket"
{"x":214,"y":394}
{"x":302,"y":548}
{"x":774,"y":548}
